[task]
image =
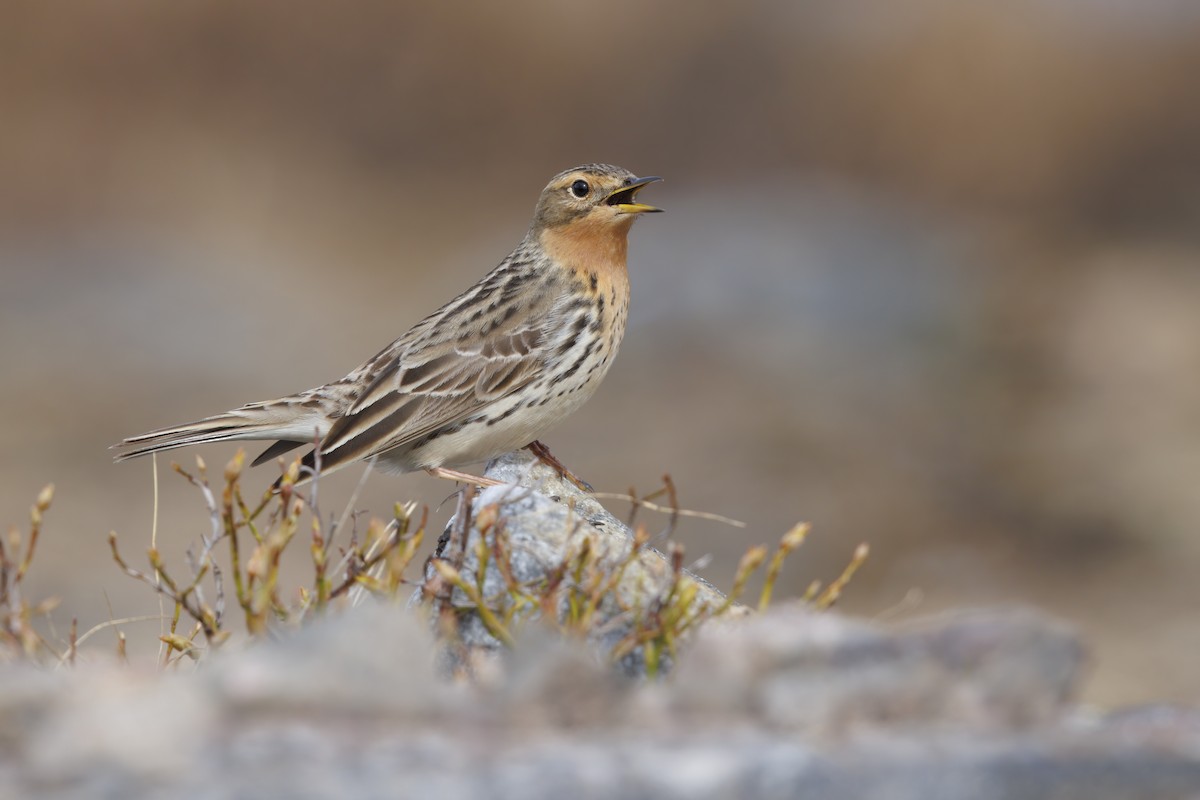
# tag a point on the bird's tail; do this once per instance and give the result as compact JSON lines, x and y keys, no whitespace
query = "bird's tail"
{"x":291,"y":421}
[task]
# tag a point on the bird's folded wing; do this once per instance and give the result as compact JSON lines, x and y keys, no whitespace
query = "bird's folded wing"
{"x":413,"y":398}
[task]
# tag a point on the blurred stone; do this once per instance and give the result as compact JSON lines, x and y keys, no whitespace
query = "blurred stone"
{"x":373,"y":660}
{"x":1171,"y":728}
{"x":824,"y":674}
{"x":548,"y":680}
{"x":24,"y":697}
{"x":1002,"y":667}
{"x":788,"y":703}
{"x":113,"y":723}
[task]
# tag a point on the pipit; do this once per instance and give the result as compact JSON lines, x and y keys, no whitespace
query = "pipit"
{"x":485,"y":374}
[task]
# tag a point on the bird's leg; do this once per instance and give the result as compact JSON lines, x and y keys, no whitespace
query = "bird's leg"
{"x":462,"y":477}
{"x":546,"y":457}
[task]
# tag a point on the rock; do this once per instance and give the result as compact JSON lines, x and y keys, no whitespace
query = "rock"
{"x":545,"y":521}
{"x":824,"y":674}
{"x":374,"y":661}
{"x":784,"y":704}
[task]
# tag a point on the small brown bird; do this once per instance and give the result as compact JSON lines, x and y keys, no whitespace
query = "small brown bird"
{"x":485,"y":374}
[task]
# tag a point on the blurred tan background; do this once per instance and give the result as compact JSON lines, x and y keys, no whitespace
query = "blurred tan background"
{"x":929,"y":276}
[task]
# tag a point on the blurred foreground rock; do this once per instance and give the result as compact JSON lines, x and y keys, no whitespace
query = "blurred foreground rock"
{"x":784,"y":704}
{"x":790,"y":703}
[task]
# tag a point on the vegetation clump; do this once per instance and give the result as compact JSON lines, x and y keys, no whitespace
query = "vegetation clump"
{"x":235,"y":573}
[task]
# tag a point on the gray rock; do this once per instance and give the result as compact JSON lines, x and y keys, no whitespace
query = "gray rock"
{"x":374,"y":661}
{"x":784,"y":704}
{"x":819,"y":672}
{"x":546,"y":520}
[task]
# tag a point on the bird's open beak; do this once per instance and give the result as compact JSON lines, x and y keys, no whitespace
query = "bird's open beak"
{"x":625,"y":198}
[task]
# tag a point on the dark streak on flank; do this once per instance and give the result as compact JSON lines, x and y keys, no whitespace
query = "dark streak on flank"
{"x":446,"y":431}
{"x":577,"y":304}
{"x":597,"y":366}
{"x":568,"y":345}
{"x":516,"y":407}
{"x":577,"y":329}
{"x":579,"y":362}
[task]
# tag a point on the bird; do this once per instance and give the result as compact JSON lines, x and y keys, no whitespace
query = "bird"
{"x":486,"y":374}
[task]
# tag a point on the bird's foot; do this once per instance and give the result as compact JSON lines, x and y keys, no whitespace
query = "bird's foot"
{"x":546,"y":457}
{"x":462,"y":477}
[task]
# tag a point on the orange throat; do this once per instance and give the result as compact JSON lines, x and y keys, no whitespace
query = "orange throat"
{"x":590,"y":247}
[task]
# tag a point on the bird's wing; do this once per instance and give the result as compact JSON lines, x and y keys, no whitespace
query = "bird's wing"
{"x":429,"y":385}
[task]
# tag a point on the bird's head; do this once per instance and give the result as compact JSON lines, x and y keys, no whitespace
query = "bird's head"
{"x":593,"y":196}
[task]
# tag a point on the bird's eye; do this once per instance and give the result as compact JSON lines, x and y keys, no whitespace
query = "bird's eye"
{"x":580,"y":189}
